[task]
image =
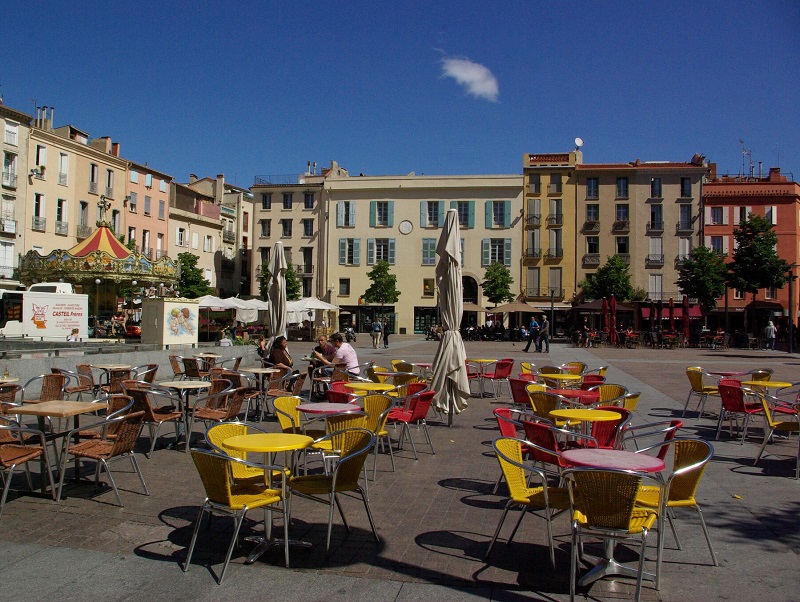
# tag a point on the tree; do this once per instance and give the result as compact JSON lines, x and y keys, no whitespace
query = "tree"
{"x":383,"y":289}
{"x":293,"y":287}
{"x":497,"y":283}
{"x":702,"y":276}
{"x":755,"y":262}
{"x":263,"y":282}
{"x":613,"y":278}
{"x":192,"y":283}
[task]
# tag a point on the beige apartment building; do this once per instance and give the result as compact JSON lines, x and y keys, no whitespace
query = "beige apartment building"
{"x":398,"y":219}
{"x":16,"y":178}
{"x":196,"y":228}
{"x":147,"y":211}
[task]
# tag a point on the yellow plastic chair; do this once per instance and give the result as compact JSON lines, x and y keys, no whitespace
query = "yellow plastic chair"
{"x":402,"y":366}
{"x":575,"y":368}
{"x":695,"y":375}
{"x":518,"y":476}
{"x":601,"y":371}
{"x":690,"y":459}
{"x":543,"y":403}
{"x":603,"y":504}
{"x":609,"y":392}
{"x":527,"y":367}
{"x":355,"y":445}
{"x":215,"y":472}
{"x":629,"y":401}
{"x":374,"y":377}
{"x":788,"y":426}
{"x":761,"y":374}
{"x":377,"y":408}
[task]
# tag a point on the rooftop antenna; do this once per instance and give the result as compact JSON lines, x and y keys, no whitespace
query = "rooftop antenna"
{"x":578,"y":143}
{"x":747,"y":154}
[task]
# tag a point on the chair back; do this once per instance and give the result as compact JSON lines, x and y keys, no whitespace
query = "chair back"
{"x":175,"y":364}
{"x":527,"y":367}
{"x":591,"y":380}
{"x":609,"y":391}
{"x":217,"y":435}
{"x":519,"y":394}
{"x":420,"y":404}
{"x":761,"y":374}
{"x":377,"y":408}
{"x":191,"y":368}
{"x":575,"y":367}
{"x":503,"y":368}
{"x":695,"y":376}
{"x":146,"y":372}
{"x":339,"y":386}
{"x":287,"y":413}
{"x":691,"y":458}
{"x":506,"y":422}
{"x":141,"y":402}
{"x":297,"y":385}
{"x":354,"y":445}
{"x":402,"y":366}
{"x":542,"y":435}
{"x":406,"y":379}
{"x":508,"y":450}
{"x":374,"y":377}
{"x":605,"y":498}
{"x":609,"y":432}
{"x":85,"y":375}
{"x":550,"y":370}
{"x":8,"y":394}
{"x":237,"y":362}
{"x":631,"y":400}
{"x":116,"y":377}
{"x":543,"y":403}
{"x":767,"y":406}
{"x":127,"y":432}
{"x":527,"y":377}
{"x":52,"y":386}
{"x":732,"y":398}
{"x":215,"y":473}
{"x":338,"y":396}
{"x":234,"y":401}
{"x":345,"y":420}
{"x":339,"y":374}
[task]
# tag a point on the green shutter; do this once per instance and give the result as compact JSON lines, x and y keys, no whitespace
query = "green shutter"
{"x":370,"y":251}
{"x":507,"y":252}
{"x":423,"y":214}
{"x":372,"y":211}
{"x":486,"y":254}
{"x":342,"y":251}
{"x":441,"y":213}
{"x":391,"y":214}
{"x":352,"y":214}
{"x":391,"y":251}
{"x":453,"y":204}
{"x":507,"y":214}
{"x":356,"y":251}
{"x":488,"y":207}
{"x":471,"y":220}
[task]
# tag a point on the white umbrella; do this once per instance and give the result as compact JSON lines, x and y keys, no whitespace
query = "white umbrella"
{"x":309,"y":303}
{"x":449,"y":365}
{"x":212,"y":301}
{"x":277,"y":294}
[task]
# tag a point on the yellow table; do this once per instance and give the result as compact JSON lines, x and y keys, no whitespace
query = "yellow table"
{"x":586,"y":417}
{"x":360,"y":388}
{"x":766,"y":384}
{"x":564,"y":379}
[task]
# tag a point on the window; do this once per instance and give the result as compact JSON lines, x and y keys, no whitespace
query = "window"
{"x":381,"y":213}
{"x":308,"y":228}
{"x":180,"y":237}
{"x":535,"y":183}
{"x":740,"y":214}
{"x":498,"y":213}
{"x":496,"y":250}
{"x":655,"y":282}
{"x":308,"y":200}
{"x":428,"y":287}
{"x":134,"y":176}
{"x":38,"y":205}
{"x":94,"y":176}
{"x":770,"y":292}
{"x":61,"y":210}
{"x":656,"y":249}
{"x":428,"y":251}
{"x":349,"y":251}
{"x":344,"y":287}
{"x":132,"y":235}
{"x":554,"y":282}
{"x":623,"y":246}
{"x":162,"y":186}
{"x":622,"y":212}
{"x":147,"y":205}
{"x":132,"y":202}
{"x":83,"y":213}
{"x":63,"y":168}
{"x":433,"y":213}
{"x":286,"y":228}
{"x":466,"y":213}
{"x":655,"y":188}
{"x":266,"y":228}
{"x":686,"y":188}
{"x":380,"y":249}
{"x":556,"y":245}
{"x":771,"y":214}
{"x":593,"y":245}
{"x":717,"y":244}
{"x":208,"y":243}
{"x":116,"y":221}
{"x":266,"y":200}
{"x":716,"y":215}
{"x":532,"y":284}
{"x":245,"y":221}
{"x":556,"y":217}
{"x":195,"y":240}
{"x":109,"y":183}
{"x":684,"y":247}
{"x":148,"y":180}
{"x":622,"y":188}
{"x":287,"y":200}
{"x":737,"y":294}
{"x":208,"y":274}
{"x":555,"y":183}
{"x":12,"y":130}
{"x":592,"y":188}
{"x":656,"y":216}
{"x":685,"y":217}
{"x":41,"y":155}
{"x":345,"y":214}
{"x":592,"y":212}
{"x":10,"y":170}
{"x":161,"y":207}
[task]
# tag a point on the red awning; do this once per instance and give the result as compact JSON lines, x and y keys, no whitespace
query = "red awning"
{"x":694,"y":312}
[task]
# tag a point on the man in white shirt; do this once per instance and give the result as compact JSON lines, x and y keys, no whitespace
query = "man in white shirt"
{"x":345,"y":354}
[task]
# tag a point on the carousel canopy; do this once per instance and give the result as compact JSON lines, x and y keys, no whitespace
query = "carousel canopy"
{"x":102,"y":239}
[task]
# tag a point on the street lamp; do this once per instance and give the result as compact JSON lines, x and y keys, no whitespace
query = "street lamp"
{"x":97,"y":282}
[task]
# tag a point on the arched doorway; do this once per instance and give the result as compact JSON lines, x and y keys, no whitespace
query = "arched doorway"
{"x":470,"y":288}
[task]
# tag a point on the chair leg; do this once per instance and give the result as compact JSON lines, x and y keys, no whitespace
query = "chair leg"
{"x":497,"y":530}
{"x":139,"y":472}
{"x":722,"y":414}
{"x":113,"y":483}
{"x":194,"y":536}
{"x":705,"y":532}
{"x":333,"y":501}
{"x":686,"y":405}
{"x":428,"y":436}
{"x":369,"y":515}
{"x":523,"y":511}
{"x":767,"y":434}
{"x":238,"y":520}
{"x":640,"y":576}
{"x":573,"y":563}
{"x":7,"y":486}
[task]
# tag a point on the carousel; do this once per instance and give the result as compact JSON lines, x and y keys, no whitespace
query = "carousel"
{"x":101,"y":266}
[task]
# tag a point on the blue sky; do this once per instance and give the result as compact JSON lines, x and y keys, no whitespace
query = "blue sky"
{"x":256,"y":88}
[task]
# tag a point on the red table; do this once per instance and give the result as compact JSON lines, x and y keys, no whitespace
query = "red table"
{"x":613,"y":459}
{"x":587,"y":398}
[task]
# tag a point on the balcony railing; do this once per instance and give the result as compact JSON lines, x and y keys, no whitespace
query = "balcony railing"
{"x":626,"y":257}
{"x":534,"y":220}
{"x":654,"y":260}
{"x":8,"y":226}
{"x":621,"y":225}
{"x":555,"y":252}
{"x":591,"y":226}
{"x":38,"y":223}
{"x":9,"y":179}
{"x":110,"y":192}
{"x":229,"y":236}
{"x":93,"y":187}
{"x":304,"y":269}
{"x":6,"y":271}
{"x":684,"y":226}
{"x":554,"y":189}
{"x":147,"y":252}
{"x":544,"y":293}
{"x":83,"y":231}
{"x":535,"y":189}
{"x":62,"y":179}
{"x":555,"y":219}
{"x":680,"y":260}
{"x":655,"y":226}
{"x":62,"y":227}
{"x":533,"y":253}
{"x":160,"y":253}
{"x":591,"y":259}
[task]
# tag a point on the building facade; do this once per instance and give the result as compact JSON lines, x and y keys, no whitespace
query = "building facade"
{"x":147,"y":215}
{"x":195,"y":227}
{"x":16,"y":177}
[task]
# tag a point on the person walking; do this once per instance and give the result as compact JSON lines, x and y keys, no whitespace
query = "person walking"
{"x":769,"y":335}
{"x":386,"y":333}
{"x":377,"y":329}
{"x":533,"y":335}
{"x":544,"y":335}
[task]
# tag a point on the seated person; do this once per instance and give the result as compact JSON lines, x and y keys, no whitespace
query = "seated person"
{"x":224,"y":340}
{"x":325,"y":349}
{"x":345,"y":354}
{"x":280,"y":358}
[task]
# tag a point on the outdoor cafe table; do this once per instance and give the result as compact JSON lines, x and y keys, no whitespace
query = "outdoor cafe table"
{"x":325,"y":407}
{"x":616,"y":460}
{"x":108,"y":368}
{"x":7,"y":380}
{"x":585,"y":416}
{"x":184,"y":387}
{"x":727,"y":373}
{"x":565,"y":379}
{"x":260,"y":372}
{"x":482,"y":363}
{"x":587,"y":398}
{"x":268,"y":444}
{"x":362,"y":388}
{"x":766,"y":384}
{"x":208,"y":359}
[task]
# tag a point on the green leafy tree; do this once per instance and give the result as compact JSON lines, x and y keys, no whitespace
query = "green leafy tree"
{"x":192,"y":283}
{"x":496,"y":285}
{"x":613,"y":278}
{"x":755,"y":263}
{"x":383,"y":289}
{"x":263,"y":282}
{"x":293,"y":287}
{"x":702,"y":276}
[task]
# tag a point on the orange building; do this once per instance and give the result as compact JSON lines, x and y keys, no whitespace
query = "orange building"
{"x":727,"y":201}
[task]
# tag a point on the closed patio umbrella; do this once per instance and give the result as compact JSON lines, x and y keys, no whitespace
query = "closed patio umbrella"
{"x":671,"y":314}
{"x":277,"y":294}
{"x":612,"y":307}
{"x":449,"y":364}
{"x":605,"y":317}
{"x":686,"y":319}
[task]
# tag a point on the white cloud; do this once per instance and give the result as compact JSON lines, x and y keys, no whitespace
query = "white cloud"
{"x":477,"y":79}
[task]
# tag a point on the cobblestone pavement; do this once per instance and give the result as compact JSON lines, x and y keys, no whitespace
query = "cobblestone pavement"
{"x":435,"y":515}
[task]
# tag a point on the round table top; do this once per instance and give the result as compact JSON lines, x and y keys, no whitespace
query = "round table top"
{"x":393,"y":374}
{"x":423,"y":365}
{"x":326,"y":407}
{"x":257,"y":370}
{"x":369,"y":386}
{"x":568,"y":377}
{"x":585,"y":397}
{"x":185,"y":384}
{"x":480,"y":360}
{"x":111,"y":366}
{"x":7,"y":380}
{"x":214,"y":355}
{"x":727,"y":372}
{"x":770,"y":384}
{"x":585,"y":415}
{"x":268,"y":442}
{"x":614,"y":459}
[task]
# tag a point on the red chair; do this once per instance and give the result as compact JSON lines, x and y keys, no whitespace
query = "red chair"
{"x":527,"y":376}
{"x":548,"y":448}
{"x":735,"y":404}
{"x":519,"y":395}
{"x":500,"y":374}
{"x":415,"y":411}
{"x":339,"y":385}
{"x":608,"y":433}
{"x":590,"y":380}
{"x":508,"y":421}
{"x":338,"y":396}
{"x":473,"y":374}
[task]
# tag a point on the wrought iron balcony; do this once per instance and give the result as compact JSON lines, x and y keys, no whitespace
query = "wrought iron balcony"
{"x":544,"y":293}
{"x":229,"y":236}
{"x":555,"y":252}
{"x":9,"y":226}
{"x":626,"y":257}
{"x":62,"y":179}
{"x":590,"y":259}
{"x":147,"y":252}
{"x":83,"y":231}
{"x":654,"y":260}
{"x":533,"y":253}
{"x":655,"y":227}
{"x":535,"y":189}
{"x":555,"y":219}
{"x":38,"y":223}
{"x":554,"y":189}
{"x":621,"y":225}
{"x":591,"y":225}
{"x":6,"y":271}
{"x":93,"y":187}
{"x":533,"y":220}
{"x":304,"y":270}
{"x":9,"y":179}
{"x":110,"y":192}
{"x":62,"y":228}
{"x":684,"y":227}
{"x":680,"y":260}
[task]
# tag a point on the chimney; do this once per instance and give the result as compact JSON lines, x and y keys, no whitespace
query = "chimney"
{"x":760,"y":164}
{"x":712,"y":171}
{"x":115,"y":149}
{"x":192,"y":178}
{"x":219,"y":189}
{"x":775,"y":174}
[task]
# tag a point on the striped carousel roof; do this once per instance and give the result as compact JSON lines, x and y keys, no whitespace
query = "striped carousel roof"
{"x":102,"y":239}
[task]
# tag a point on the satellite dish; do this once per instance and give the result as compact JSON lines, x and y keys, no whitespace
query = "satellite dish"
{"x":578,"y":142}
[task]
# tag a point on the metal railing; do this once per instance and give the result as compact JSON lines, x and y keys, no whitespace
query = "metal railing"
{"x":554,"y":189}
{"x":62,"y":227}
{"x":110,"y":192}
{"x":684,"y":226}
{"x":228,"y":236}
{"x":533,"y":253}
{"x":544,"y":293}
{"x":654,"y":260}
{"x":148,"y":252}
{"x":93,"y":187}
{"x":9,"y":179}
{"x":655,"y":226}
{"x":38,"y":223}
{"x":534,"y":220}
{"x":62,"y":179}
{"x":621,"y":225}
{"x":555,"y":252}
{"x":9,"y":226}
{"x":626,"y":257}
{"x":591,"y":226}
{"x":555,"y":219}
{"x":83,"y":231}
{"x":591,"y":259}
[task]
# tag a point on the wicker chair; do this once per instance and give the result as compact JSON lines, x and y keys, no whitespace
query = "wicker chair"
{"x":19,"y":446}
{"x":115,"y":379}
{"x":143,"y":395}
{"x":178,"y":372}
{"x":145,"y":372}
{"x":52,"y":388}
{"x":191,"y":369}
{"x":76,"y":384}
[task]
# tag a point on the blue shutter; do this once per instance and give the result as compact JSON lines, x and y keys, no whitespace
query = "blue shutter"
{"x":462,"y":252}
{"x":372,"y":210}
{"x":423,"y":214}
{"x":471,"y":222}
{"x":391,"y":251}
{"x":488,"y":208}
{"x":356,"y":251}
{"x":352,"y":214}
{"x":441,"y":214}
{"x":507,"y":252}
{"x":342,"y":251}
{"x":507,"y":214}
{"x":370,"y":251}
{"x":391,"y":214}
{"x":453,"y":204}
{"x":486,"y":255}
{"x":340,"y":214}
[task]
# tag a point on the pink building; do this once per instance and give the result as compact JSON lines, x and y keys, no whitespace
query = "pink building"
{"x":147,"y":210}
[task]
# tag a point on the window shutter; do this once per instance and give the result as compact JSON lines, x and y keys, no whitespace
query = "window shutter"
{"x":506,"y":214}
{"x":736,"y":215}
{"x":507,"y":250}
{"x":488,"y":212}
{"x":423,"y":214}
{"x":342,"y":251}
{"x":352,"y":214}
{"x":391,"y":214}
{"x":462,"y":252}
{"x":356,"y":251}
{"x":708,"y":242}
{"x":749,"y":210}
{"x":485,"y":252}
{"x":372,"y":214}
{"x":725,"y":215}
{"x":471,"y":221}
{"x":453,"y":204}
{"x":391,"y":251}
{"x":725,"y":244}
{"x":340,"y":214}
{"x":370,"y":251}
{"x":775,"y":215}
{"x":708,"y":215}
{"x":441,"y":214}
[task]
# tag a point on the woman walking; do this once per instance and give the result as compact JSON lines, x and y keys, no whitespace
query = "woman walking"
{"x":386,"y":333}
